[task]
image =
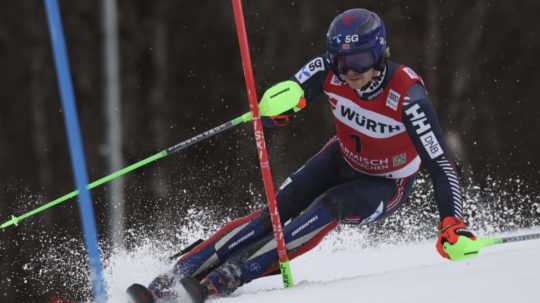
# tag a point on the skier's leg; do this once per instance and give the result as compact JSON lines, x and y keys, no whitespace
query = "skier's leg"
{"x":384,"y":197}
{"x":361,"y":201}
{"x":210,"y":253}
{"x":296,"y":193}
{"x":260,"y":259}
{"x":317,"y":175}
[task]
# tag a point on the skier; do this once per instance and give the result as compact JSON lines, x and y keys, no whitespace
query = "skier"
{"x":385,"y":128}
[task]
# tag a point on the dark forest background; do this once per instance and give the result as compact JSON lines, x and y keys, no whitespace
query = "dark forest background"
{"x":181,"y":74}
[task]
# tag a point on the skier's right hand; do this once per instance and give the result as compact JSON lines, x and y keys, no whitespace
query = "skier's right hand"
{"x":281,"y":101}
{"x":275,"y":121}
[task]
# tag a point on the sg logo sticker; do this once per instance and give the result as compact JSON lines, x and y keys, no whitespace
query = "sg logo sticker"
{"x":351,"y":38}
{"x":310,"y":69}
{"x":315,"y":65}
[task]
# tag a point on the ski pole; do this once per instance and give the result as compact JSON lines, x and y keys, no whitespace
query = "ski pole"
{"x":186,"y":250}
{"x":162,"y":154}
{"x":518,"y":238}
{"x":466,"y":248}
{"x":287,"y":96}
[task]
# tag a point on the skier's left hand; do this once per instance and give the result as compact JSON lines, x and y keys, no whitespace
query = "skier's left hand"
{"x":450,"y":229}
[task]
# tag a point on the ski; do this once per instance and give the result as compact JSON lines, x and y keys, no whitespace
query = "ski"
{"x":189,"y":290}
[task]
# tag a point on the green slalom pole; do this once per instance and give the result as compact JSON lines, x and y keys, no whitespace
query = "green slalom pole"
{"x":466,"y":248}
{"x":272,"y":105}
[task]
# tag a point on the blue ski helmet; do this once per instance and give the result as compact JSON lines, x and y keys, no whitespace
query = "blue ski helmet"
{"x":356,"y":40}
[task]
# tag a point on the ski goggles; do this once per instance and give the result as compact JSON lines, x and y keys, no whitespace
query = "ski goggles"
{"x":359,"y":62}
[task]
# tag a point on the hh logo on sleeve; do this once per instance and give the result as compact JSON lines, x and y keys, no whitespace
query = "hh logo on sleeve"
{"x":423,"y":128}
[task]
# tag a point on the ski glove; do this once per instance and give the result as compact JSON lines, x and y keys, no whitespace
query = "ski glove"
{"x":282,"y":119}
{"x":275,"y":121}
{"x":450,"y":229}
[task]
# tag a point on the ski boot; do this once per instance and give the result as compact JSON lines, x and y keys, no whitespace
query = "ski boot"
{"x":140,"y":294}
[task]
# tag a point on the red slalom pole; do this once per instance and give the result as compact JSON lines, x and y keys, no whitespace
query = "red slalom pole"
{"x":261,"y":146}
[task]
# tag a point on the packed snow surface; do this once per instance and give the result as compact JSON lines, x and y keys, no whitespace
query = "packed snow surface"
{"x":339,"y":270}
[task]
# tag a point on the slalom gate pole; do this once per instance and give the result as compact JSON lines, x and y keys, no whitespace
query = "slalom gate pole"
{"x":14,"y":220}
{"x":261,"y":146}
{"x":466,"y":248}
{"x":75,"y":145}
